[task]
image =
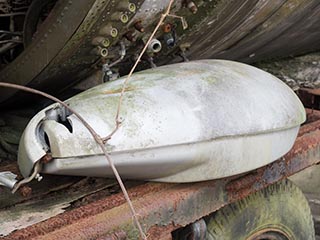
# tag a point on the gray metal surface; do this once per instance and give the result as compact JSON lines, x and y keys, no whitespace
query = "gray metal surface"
{"x":7,"y":179}
{"x":184,"y":122}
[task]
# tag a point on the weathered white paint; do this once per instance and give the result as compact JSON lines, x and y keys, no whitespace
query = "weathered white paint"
{"x":184,"y":122}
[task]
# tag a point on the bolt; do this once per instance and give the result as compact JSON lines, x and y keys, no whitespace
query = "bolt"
{"x":119,"y":16}
{"x":125,"y":5}
{"x":129,"y":36}
{"x":114,"y":32}
{"x":104,"y":52}
{"x":124,"y":18}
{"x":104,"y":42}
{"x":192,"y":7}
{"x":108,"y":30}
{"x":154,"y":46}
{"x":169,"y":39}
{"x":38,"y":177}
{"x":132,"y":7}
{"x":167,"y":27}
{"x":138,"y":26}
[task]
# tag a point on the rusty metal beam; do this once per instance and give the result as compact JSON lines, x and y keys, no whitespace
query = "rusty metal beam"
{"x":163,"y":208}
{"x":310,"y":97}
{"x":313,"y":122}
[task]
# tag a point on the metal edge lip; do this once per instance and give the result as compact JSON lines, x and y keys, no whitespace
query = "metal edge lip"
{"x":193,"y":166}
{"x":190,"y":143}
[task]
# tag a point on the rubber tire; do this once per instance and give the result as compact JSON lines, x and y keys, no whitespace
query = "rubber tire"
{"x":281,"y":206}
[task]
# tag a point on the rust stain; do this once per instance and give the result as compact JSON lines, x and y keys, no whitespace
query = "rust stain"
{"x":309,"y":128}
{"x":242,"y":182}
{"x":72,"y":216}
{"x":46,"y":158}
{"x":120,"y":235}
{"x":157,"y":232}
{"x":25,"y":191}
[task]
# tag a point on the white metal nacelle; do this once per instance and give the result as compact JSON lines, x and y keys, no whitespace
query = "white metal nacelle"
{"x":184,"y":122}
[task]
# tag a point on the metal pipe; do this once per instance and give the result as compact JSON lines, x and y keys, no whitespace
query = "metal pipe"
{"x":154,"y":46}
{"x":10,"y":40}
{"x":122,"y":55}
{"x":12,"y":14}
{"x":108,"y":30}
{"x":11,"y":33}
{"x":7,"y":47}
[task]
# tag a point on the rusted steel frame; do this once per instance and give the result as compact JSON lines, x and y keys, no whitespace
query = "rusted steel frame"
{"x":310,"y":97}
{"x":313,"y":122}
{"x":311,"y":91}
{"x":165,"y":207}
{"x":310,"y":127}
{"x":312,"y":115}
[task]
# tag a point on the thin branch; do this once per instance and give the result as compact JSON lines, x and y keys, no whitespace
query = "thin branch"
{"x":96,"y":137}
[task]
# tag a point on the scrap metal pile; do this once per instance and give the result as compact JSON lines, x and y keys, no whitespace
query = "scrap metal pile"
{"x":65,"y":41}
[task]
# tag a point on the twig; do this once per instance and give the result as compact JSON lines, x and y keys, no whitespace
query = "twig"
{"x":96,"y":137}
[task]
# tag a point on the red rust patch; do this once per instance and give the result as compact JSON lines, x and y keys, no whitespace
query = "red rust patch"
{"x":70,"y":217}
{"x":161,"y":232}
{"x":119,"y":90}
{"x":25,"y":191}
